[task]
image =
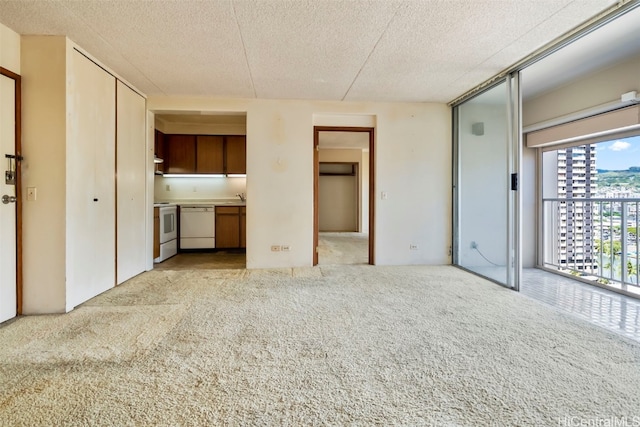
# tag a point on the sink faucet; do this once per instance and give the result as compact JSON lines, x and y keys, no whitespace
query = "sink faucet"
{"x":243,"y":197}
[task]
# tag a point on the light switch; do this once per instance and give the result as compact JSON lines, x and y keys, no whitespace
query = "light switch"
{"x":31,"y":194}
{"x":384,"y":195}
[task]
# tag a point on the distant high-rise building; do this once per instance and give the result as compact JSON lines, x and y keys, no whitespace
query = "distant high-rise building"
{"x":577,"y":179}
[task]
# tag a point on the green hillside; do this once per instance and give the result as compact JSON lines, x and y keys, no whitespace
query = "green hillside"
{"x":629,"y":179}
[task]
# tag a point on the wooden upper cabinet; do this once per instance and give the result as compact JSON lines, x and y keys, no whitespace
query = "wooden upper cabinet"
{"x":209,"y":154}
{"x":205,"y":154}
{"x":236,"y":154}
{"x":180,"y":153}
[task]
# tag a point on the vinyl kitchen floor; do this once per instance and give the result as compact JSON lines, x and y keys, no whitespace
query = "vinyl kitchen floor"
{"x":204,"y":261}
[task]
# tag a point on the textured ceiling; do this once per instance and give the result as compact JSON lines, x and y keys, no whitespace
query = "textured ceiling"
{"x":354,"y":50}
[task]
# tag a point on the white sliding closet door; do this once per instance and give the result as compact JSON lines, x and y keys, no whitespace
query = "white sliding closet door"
{"x":131,"y":182}
{"x":90,"y":181}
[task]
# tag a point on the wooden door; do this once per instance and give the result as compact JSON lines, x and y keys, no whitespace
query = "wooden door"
{"x":8,"y":211}
{"x":156,"y":233}
{"x":243,"y":227}
{"x":131,"y":183}
{"x":236,"y":154}
{"x":180,"y":153}
{"x":210,"y":154}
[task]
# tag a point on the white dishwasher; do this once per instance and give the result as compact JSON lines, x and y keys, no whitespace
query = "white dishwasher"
{"x":197,"y":227}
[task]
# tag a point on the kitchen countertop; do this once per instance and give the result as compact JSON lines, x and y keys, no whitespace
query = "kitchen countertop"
{"x":203,"y":202}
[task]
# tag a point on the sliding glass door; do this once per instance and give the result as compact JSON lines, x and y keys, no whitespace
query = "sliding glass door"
{"x":486,"y":236}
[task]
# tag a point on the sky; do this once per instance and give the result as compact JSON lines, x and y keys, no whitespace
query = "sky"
{"x":618,"y":154}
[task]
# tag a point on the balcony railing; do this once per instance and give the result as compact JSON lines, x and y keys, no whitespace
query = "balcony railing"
{"x":596,"y":239}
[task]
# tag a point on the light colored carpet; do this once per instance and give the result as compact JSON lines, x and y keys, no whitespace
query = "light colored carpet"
{"x":333,"y":345}
{"x":343,"y":248}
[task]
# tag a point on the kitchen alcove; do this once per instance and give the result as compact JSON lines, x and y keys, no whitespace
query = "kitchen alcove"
{"x":204,"y":163}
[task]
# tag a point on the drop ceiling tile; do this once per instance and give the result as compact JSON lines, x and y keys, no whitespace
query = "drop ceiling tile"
{"x":309,"y":49}
{"x":186,"y":47}
{"x":444,"y":43}
{"x":431,"y":50}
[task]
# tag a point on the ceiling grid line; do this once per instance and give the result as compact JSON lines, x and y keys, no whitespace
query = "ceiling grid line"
{"x":386,"y":28}
{"x":338,"y":50}
{"x":244,"y":48}
{"x":522,"y":36}
{"x":106,"y":42}
{"x":567,"y":39}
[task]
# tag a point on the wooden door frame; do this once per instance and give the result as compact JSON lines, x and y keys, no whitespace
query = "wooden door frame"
{"x":18,"y":153}
{"x":316,"y":178}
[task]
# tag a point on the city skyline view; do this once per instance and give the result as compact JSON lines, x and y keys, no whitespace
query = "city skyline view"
{"x":595,"y":239}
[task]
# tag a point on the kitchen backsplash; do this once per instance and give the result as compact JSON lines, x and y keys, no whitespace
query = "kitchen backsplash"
{"x":167,"y":189}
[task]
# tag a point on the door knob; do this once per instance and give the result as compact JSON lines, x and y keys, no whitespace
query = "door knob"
{"x":8,"y":199}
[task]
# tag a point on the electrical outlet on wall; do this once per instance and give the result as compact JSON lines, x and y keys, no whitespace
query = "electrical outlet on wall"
{"x":474,"y":245}
{"x":286,"y":248}
{"x":275,"y":248}
{"x":413,"y":247}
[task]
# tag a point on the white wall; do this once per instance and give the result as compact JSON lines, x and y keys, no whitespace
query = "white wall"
{"x":201,"y":128}
{"x":150,"y":177}
{"x":529,"y":213}
{"x":9,"y":49}
{"x":361,"y":157}
{"x":44,"y":167}
{"x":173,"y":189}
{"x":413,"y":152}
{"x":338,"y":203}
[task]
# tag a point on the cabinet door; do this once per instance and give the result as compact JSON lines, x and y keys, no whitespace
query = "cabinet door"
{"x":227,"y":227}
{"x":180,"y":153}
{"x":243,"y":227}
{"x":131,"y":183}
{"x":236,"y":154}
{"x":90,"y":169}
{"x":210,"y":154}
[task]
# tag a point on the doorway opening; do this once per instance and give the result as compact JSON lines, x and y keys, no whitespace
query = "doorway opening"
{"x":343,"y":195}
{"x":201,"y":167}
